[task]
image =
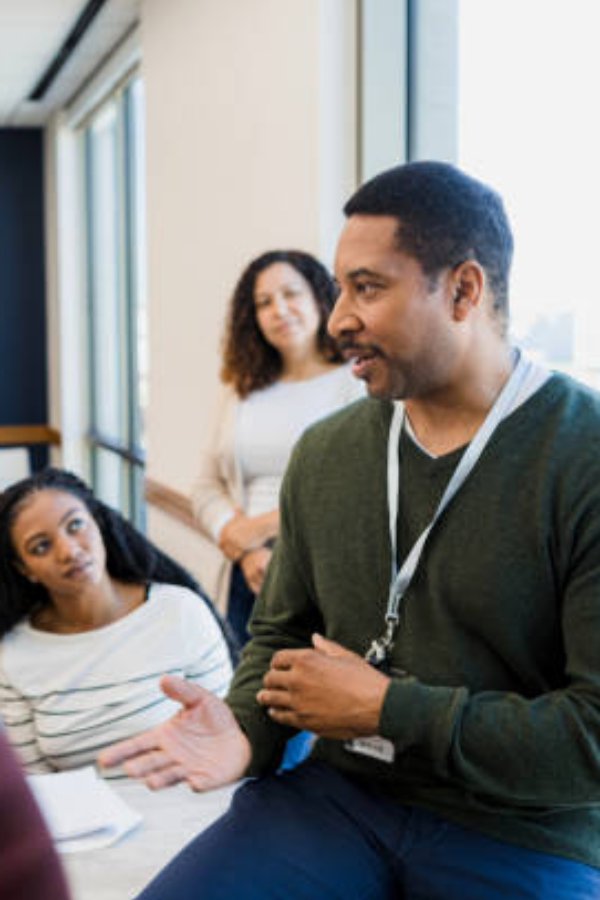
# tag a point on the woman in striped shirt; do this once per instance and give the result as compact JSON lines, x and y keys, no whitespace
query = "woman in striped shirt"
{"x":91,"y":616}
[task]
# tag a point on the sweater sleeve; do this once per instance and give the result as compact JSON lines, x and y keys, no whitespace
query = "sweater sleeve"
{"x":17,"y":716}
{"x":536,"y":752}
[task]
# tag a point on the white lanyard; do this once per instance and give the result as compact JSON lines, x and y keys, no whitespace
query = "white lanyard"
{"x":400,"y":580}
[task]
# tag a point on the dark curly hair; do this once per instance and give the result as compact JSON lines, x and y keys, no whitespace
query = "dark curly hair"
{"x":249,"y":362}
{"x":445,"y":217}
{"x":130,"y":556}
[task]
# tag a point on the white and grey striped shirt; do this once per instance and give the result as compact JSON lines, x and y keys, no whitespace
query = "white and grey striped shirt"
{"x":63,"y":697}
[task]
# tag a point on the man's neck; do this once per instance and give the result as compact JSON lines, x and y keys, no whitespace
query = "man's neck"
{"x":445,"y":420}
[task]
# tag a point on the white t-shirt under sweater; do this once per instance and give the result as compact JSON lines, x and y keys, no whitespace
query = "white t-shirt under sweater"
{"x":63,"y":697}
{"x":271,"y":421}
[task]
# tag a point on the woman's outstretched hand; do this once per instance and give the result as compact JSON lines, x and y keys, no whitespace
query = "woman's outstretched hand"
{"x":202,"y":744}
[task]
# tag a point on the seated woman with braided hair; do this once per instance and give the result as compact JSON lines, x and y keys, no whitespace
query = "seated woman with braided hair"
{"x":91,"y":616}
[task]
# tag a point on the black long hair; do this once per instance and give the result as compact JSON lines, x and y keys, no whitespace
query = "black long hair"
{"x":130,"y":556}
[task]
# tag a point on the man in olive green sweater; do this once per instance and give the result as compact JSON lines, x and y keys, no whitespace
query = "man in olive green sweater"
{"x":432,"y":610}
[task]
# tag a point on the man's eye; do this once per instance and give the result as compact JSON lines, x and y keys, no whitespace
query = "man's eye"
{"x":366,"y":288}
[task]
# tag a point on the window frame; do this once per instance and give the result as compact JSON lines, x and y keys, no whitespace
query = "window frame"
{"x":126,"y":444}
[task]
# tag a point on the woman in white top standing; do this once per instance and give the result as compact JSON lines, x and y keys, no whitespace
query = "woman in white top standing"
{"x":281,"y":372}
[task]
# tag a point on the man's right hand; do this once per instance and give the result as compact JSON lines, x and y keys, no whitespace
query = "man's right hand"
{"x":201,"y":744}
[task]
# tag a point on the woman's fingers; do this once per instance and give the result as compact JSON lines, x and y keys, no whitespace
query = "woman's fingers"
{"x":119,"y":753}
{"x":147,"y":764}
{"x":165,"y":777}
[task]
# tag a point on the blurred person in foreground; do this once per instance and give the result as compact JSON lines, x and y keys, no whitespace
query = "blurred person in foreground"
{"x":29,"y":865}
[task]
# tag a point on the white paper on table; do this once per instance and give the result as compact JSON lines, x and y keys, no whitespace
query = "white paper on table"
{"x":81,"y":810}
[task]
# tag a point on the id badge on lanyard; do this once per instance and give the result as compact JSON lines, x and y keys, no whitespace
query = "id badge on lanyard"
{"x":379,"y":653}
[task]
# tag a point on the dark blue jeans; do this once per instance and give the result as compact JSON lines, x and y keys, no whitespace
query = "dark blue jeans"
{"x":239,"y":605}
{"x":314,"y":834}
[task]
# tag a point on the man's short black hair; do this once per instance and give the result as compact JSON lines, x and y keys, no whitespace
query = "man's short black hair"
{"x":444,"y":218}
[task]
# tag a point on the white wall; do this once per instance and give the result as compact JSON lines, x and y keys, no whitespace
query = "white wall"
{"x":250,"y":110}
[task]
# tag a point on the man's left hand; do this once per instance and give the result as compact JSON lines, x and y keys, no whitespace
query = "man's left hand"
{"x":328,"y":690}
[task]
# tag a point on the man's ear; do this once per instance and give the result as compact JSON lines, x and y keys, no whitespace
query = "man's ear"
{"x":468,"y":286}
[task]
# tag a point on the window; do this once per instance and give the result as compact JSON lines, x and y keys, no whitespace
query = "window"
{"x":116,"y":290}
{"x":528,"y":76}
{"x":507,"y":90}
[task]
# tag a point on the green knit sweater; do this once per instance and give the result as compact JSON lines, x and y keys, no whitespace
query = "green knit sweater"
{"x":498,"y":725}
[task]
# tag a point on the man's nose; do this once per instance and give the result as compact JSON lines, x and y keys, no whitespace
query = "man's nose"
{"x":341,"y":319}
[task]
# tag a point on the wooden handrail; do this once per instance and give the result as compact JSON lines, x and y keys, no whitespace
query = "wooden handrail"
{"x":19,"y":435}
{"x":171,"y":502}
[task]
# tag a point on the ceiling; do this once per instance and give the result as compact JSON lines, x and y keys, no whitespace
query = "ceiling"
{"x":31,"y":34}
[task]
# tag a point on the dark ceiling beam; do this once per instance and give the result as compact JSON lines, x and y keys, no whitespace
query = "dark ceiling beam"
{"x":86,"y":17}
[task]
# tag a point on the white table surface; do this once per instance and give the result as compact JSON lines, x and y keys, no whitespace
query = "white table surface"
{"x":171,"y":818}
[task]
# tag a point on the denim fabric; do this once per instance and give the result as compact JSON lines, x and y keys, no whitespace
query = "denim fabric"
{"x":239,"y":605}
{"x":314,"y":834}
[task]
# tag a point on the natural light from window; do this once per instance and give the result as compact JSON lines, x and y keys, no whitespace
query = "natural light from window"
{"x":529,"y":73}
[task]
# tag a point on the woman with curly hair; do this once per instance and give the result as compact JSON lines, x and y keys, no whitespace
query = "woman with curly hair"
{"x":92,"y":615}
{"x":281,"y":372}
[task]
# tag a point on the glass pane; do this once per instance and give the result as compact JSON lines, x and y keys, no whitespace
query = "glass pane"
{"x":527,"y":126}
{"x":115,"y":172}
{"x":117,"y":291}
{"x":138,"y":313}
{"x":111,"y":479}
{"x":109,"y":384}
